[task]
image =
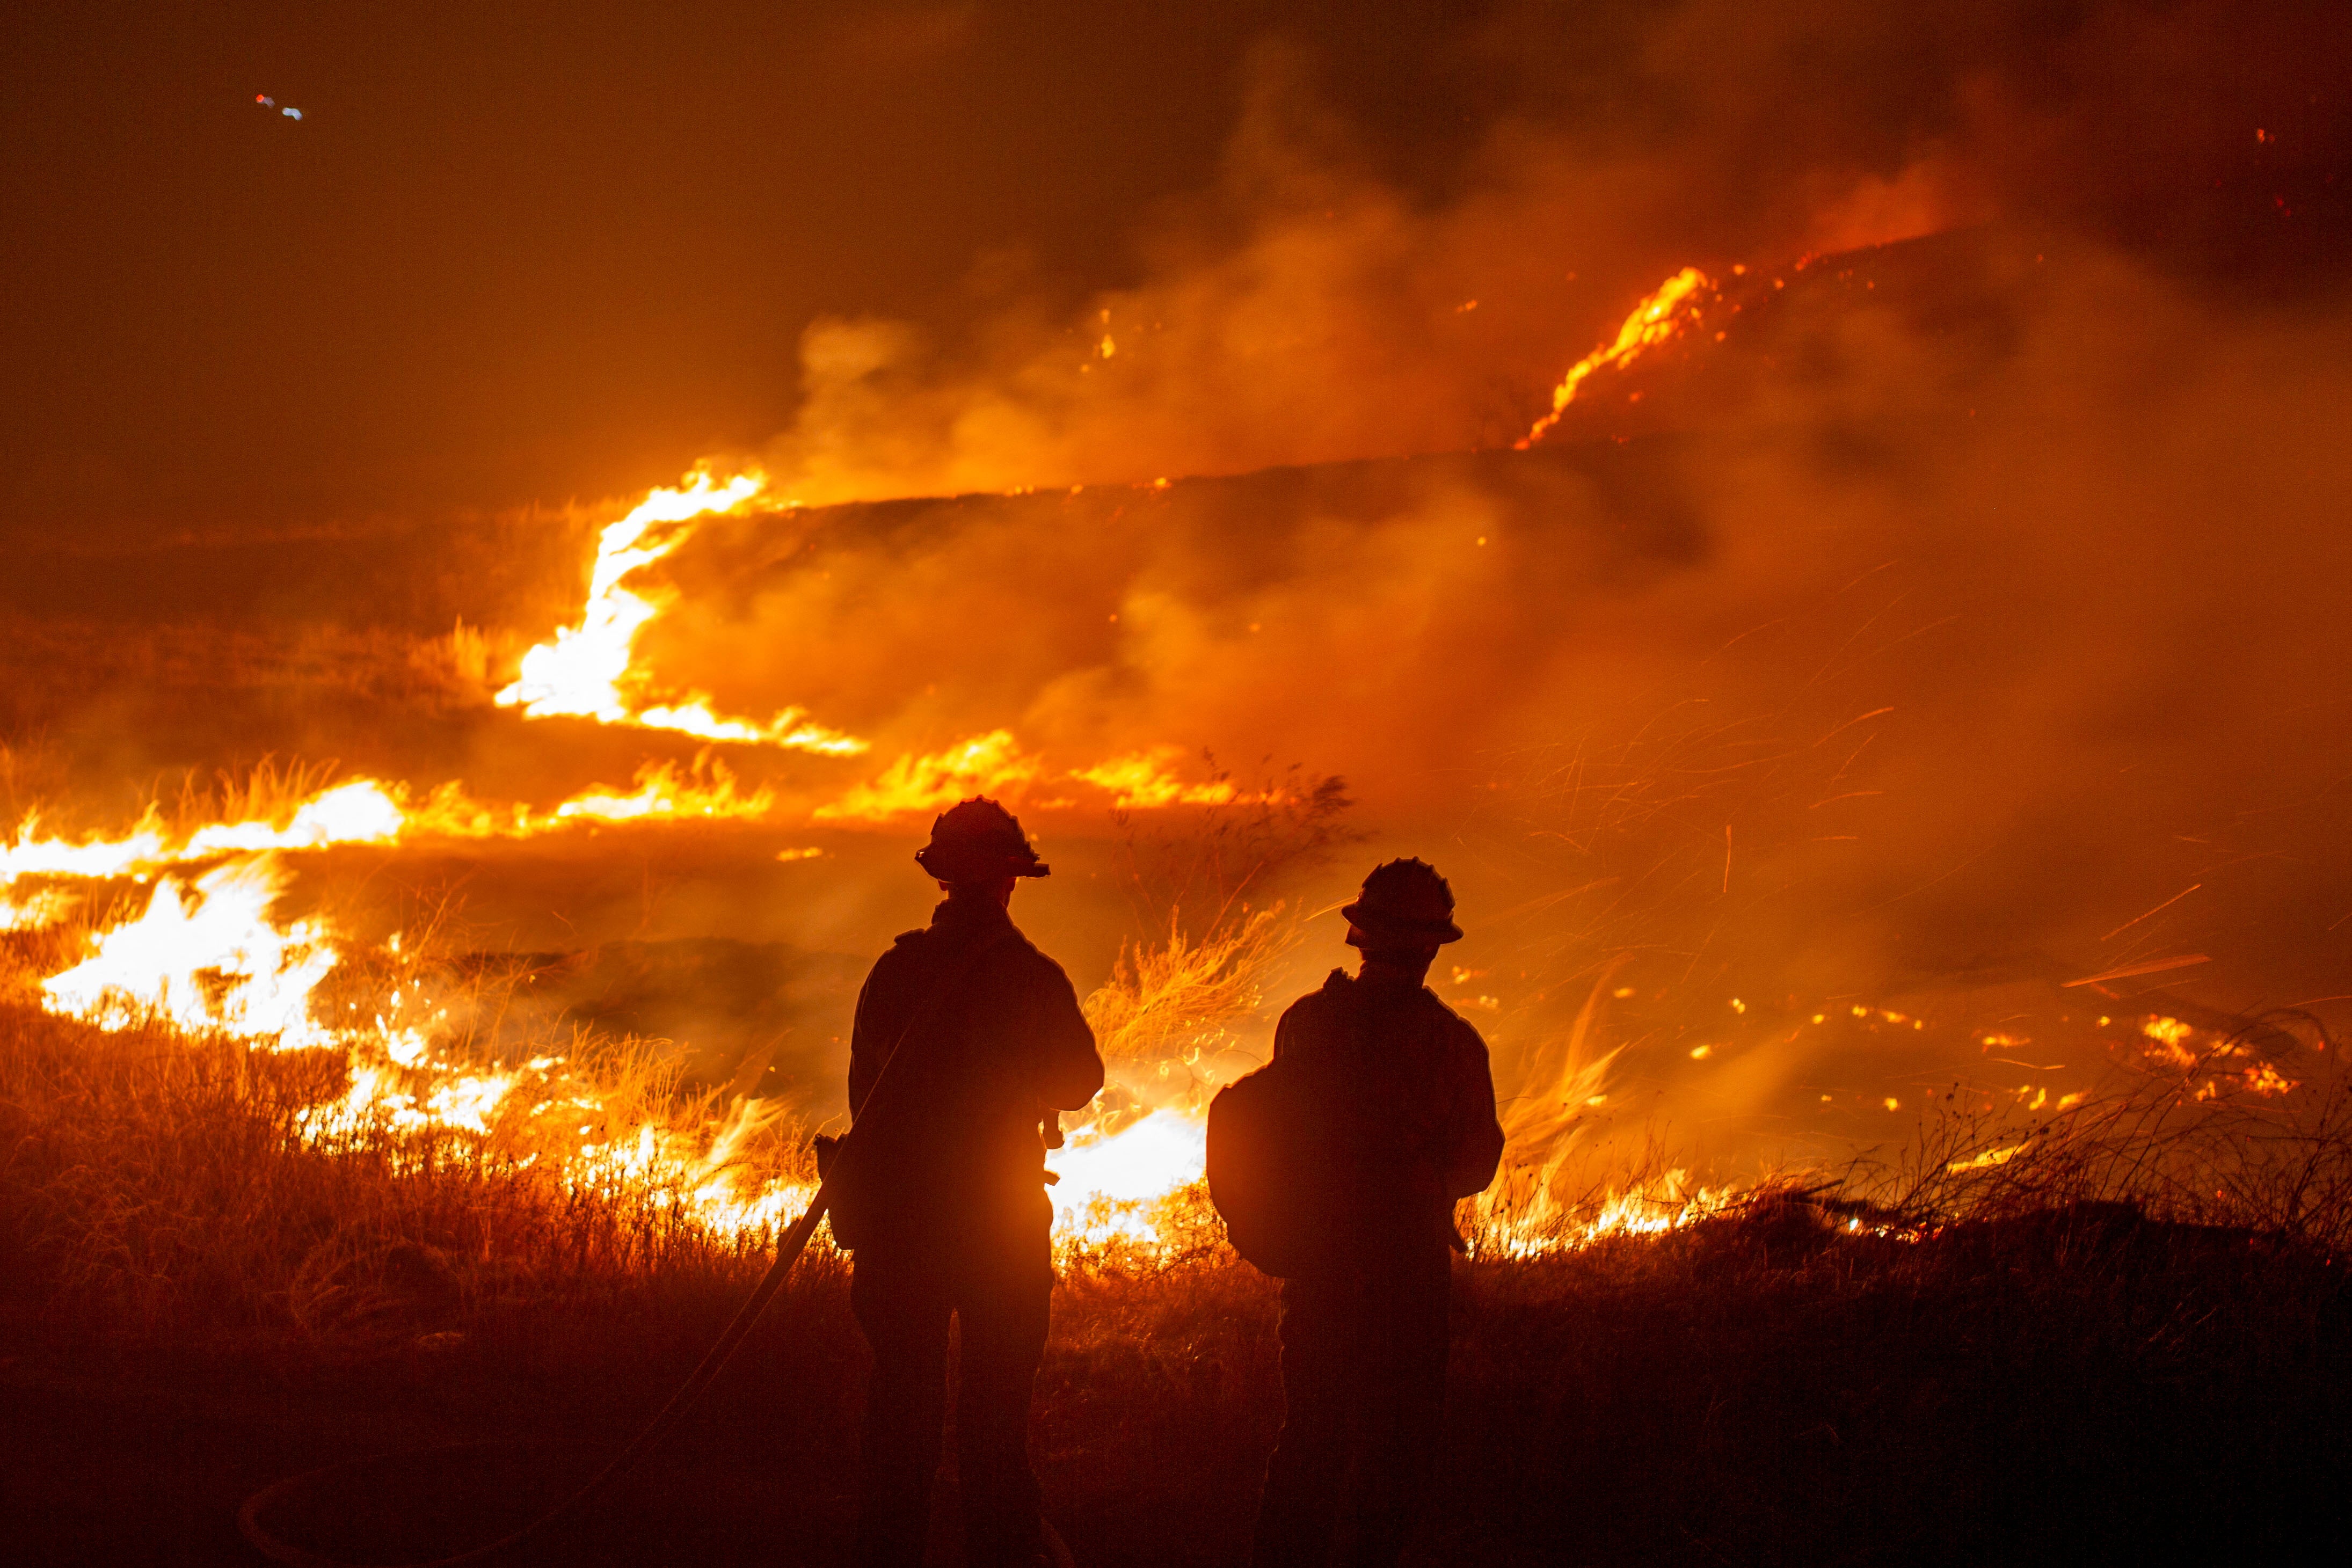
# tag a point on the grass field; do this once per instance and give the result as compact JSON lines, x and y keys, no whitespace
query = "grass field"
{"x":199,"y":1297}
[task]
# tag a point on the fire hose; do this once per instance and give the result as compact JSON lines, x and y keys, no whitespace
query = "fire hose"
{"x":664,"y":1420}
{"x":787,"y":1250}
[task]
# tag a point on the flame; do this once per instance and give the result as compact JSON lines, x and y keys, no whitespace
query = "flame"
{"x":1524,"y":1217}
{"x":1111,"y":1180}
{"x":1142,"y":779}
{"x":1666,"y":312}
{"x":360,"y":811}
{"x":984,"y":765}
{"x":994,"y":763}
{"x":45,"y":907}
{"x":587,"y":673}
{"x":210,"y":953}
{"x":208,"y":958}
{"x":708,"y":792}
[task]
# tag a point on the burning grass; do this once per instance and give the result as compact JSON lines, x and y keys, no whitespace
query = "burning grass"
{"x":1794,"y":1373}
{"x":2050,"y":1369}
{"x":2019,"y":1338}
{"x":171,"y":1190}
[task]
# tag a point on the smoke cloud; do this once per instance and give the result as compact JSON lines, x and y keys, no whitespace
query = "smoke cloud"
{"x":1968,"y":601}
{"x":1977,"y":592}
{"x":1344,"y":291}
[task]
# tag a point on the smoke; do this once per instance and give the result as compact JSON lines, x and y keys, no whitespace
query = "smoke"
{"x":2089,"y":532}
{"x":1971,"y":601}
{"x":1368,"y":280}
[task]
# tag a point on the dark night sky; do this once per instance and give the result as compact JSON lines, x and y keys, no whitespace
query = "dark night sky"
{"x":529,"y":252}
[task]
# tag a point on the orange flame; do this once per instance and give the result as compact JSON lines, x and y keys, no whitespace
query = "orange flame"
{"x":208,"y":958}
{"x":1143,"y":780}
{"x":1669,"y":308}
{"x":984,"y":765}
{"x":587,"y":670}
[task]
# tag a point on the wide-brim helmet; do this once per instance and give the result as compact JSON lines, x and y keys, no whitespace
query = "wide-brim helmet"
{"x":978,"y":841}
{"x":1405,"y":900}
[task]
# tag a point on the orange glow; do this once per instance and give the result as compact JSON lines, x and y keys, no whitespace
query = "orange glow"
{"x":708,"y":792}
{"x":1514,"y":1219}
{"x":360,"y":811}
{"x":210,"y":957}
{"x":1669,"y":308}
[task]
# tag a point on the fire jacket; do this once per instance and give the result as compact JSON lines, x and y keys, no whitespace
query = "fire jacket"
{"x":1413,"y":1102}
{"x":983,"y":1037}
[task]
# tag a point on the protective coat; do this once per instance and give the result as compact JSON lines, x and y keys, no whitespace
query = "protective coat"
{"x":1349,"y":1150}
{"x":1392,"y":1122}
{"x":982,"y":1035}
{"x":966,"y":1035}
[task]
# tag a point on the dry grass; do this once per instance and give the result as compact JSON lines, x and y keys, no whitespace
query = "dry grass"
{"x":2067,"y":1354}
{"x":168,"y":1191}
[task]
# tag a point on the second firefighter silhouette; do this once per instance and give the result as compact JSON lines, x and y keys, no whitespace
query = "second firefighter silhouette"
{"x":967,"y":1037}
{"x":1336,"y":1166}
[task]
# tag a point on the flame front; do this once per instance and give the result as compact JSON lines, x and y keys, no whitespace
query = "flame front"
{"x":206,"y":947}
{"x":586,"y":672}
{"x":208,"y":957}
{"x":990,"y":764}
{"x":1671,"y":306}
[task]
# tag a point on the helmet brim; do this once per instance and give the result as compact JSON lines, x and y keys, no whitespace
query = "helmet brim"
{"x":1379,"y":922}
{"x":949,"y":863}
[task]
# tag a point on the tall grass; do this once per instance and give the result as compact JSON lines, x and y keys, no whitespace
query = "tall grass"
{"x":2060,"y":1354}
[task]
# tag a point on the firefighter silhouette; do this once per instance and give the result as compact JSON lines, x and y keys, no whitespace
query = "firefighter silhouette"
{"x":944,"y":1204}
{"x":1336,"y":1166}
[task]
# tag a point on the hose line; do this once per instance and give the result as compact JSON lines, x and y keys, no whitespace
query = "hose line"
{"x":787,"y":1250}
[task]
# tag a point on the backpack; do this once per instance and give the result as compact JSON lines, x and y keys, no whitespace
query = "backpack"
{"x":1282,"y":1197}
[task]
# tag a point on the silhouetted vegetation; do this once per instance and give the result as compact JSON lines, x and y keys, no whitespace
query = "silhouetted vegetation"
{"x":2059,"y":1368}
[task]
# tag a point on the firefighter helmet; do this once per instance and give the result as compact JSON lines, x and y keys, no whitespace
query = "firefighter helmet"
{"x":978,"y":841}
{"x":1405,"y":900}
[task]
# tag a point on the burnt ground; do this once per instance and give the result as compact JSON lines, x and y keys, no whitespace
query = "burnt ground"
{"x":2087,"y":1387}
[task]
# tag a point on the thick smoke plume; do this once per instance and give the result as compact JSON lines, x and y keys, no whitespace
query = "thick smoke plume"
{"x":1961,"y":588}
{"x":1344,"y":293}
{"x":1966,"y":603}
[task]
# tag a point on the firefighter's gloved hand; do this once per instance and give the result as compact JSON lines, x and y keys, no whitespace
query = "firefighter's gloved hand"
{"x":1049,"y":1127}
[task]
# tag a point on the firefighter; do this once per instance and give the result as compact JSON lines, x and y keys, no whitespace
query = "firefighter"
{"x":1405,"y":1116}
{"x":942,"y":1196}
